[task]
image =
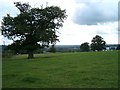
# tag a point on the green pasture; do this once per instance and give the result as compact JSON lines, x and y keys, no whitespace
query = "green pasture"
{"x":62,"y":70}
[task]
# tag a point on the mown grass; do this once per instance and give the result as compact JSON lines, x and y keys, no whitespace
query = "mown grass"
{"x":62,"y":70}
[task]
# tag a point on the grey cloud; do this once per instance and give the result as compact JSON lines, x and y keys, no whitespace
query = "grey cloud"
{"x":95,"y":12}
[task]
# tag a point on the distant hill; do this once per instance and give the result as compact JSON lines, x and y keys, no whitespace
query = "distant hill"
{"x":71,"y":48}
{"x":61,"y":48}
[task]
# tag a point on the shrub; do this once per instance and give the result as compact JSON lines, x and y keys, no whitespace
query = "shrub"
{"x":7,"y":53}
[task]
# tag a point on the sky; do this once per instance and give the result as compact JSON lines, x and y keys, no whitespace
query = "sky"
{"x":86,"y":19}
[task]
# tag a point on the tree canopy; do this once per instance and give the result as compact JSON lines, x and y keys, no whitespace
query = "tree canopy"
{"x":84,"y":47}
{"x":33,"y":28}
{"x":118,"y":47}
{"x":97,"y":43}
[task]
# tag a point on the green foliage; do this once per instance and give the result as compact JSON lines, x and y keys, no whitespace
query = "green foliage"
{"x":118,"y":47}
{"x":33,"y":28}
{"x":84,"y":47}
{"x":62,"y":70}
{"x":8,"y":53}
{"x":97,"y":43}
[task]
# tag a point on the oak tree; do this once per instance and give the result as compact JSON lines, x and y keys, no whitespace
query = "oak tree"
{"x":33,"y":28}
{"x":98,"y":43}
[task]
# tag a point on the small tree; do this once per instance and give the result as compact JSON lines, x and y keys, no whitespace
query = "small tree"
{"x":84,"y":47}
{"x":33,"y":28}
{"x":118,"y":47}
{"x":98,"y":43}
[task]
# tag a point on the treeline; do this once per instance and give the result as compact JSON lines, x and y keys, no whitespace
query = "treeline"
{"x":97,"y":44}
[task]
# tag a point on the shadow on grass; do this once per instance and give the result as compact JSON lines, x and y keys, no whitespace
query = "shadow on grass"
{"x":9,"y":75}
{"x":25,"y":57}
{"x":45,"y":57}
{"x":29,"y":79}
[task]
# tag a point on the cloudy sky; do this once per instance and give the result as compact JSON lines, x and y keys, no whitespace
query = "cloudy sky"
{"x":86,"y":18}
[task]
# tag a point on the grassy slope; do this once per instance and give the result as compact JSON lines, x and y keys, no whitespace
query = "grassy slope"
{"x":70,"y":70}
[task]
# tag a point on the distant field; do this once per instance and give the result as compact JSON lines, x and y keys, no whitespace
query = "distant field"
{"x":62,"y":70}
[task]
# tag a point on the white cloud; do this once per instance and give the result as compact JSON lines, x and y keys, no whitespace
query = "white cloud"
{"x":76,"y":34}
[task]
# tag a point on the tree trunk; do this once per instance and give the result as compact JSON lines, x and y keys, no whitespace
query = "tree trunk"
{"x":30,"y":55}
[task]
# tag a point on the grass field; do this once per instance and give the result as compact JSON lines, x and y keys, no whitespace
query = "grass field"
{"x":62,"y":70}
